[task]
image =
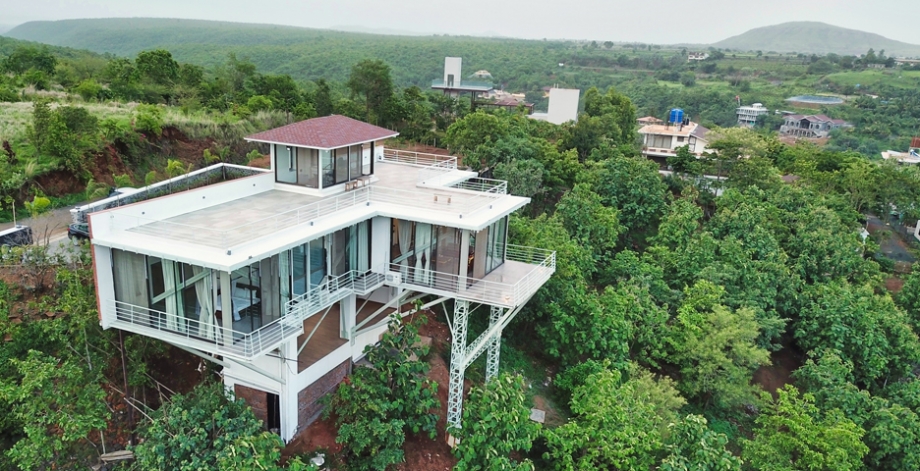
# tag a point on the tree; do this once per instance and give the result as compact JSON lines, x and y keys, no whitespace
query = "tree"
{"x":158,"y":66}
{"x":27,"y":57}
{"x":589,"y":221}
{"x":684,"y":161}
{"x":371,"y":80}
{"x":205,"y":429}
{"x":909,"y":296}
{"x":693,"y":446}
{"x":474,"y":130}
{"x":617,"y":425}
{"x":497,"y":426}
{"x":885,"y":347}
{"x":323,"y":98}
{"x":524,"y":177}
{"x":633,"y":186}
{"x":58,"y":403}
{"x":792,"y":434}
{"x":380,"y":404}
{"x":715,"y":348}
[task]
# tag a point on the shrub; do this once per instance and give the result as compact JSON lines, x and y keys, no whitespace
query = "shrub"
{"x":88,"y":89}
{"x":497,"y":424}
{"x":378,"y":405}
{"x":149,"y":119}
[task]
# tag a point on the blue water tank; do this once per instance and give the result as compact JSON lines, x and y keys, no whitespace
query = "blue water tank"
{"x":676,"y":116}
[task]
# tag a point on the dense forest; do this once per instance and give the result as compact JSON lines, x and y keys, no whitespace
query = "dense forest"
{"x":692,"y":323}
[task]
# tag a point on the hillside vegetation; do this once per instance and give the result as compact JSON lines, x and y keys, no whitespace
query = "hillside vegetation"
{"x":812,"y":37}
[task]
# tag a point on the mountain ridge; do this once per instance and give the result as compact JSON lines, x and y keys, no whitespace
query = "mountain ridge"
{"x":813,"y":37}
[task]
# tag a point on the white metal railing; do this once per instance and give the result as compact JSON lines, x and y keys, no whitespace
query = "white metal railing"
{"x":484,"y":290}
{"x":227,"y":238}
{"x":332,"y":290}
{"x":485,"y":185}
{"x":420,"y":159}
{"x":434,"y":174}
{"x":451,"y":202}
{"x":230,"y":342}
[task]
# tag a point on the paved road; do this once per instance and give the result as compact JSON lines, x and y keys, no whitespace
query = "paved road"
{"x":49,"y":228}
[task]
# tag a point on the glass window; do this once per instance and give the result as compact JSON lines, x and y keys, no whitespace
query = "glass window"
{"x":354,"y":162}
{"x":285,"y":164}
{"x":341,"y":165}
{"x":328,"y":167}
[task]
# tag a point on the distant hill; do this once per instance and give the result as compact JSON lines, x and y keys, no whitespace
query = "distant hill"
{"x":8,"y":45}
{"x":5,"y":28}
{"x":309,"y":54}
{"x":812,"y":37}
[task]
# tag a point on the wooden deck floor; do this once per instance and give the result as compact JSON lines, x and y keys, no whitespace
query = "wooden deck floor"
{"x":327,"y":337}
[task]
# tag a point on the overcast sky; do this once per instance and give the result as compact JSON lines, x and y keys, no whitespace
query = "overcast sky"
{"x":655,"y":21}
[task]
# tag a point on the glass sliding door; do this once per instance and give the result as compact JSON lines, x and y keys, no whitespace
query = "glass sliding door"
{"x":308,"y":168}
{"x":327,"y":167}
{"x":496,"y":249}
{"x":341,"y":165}
{"x":354,"y":162}
{"x":308,"y":266}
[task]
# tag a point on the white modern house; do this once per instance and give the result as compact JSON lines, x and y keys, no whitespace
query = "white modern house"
{"x":284,"y":277}
{"x":747,"y":115}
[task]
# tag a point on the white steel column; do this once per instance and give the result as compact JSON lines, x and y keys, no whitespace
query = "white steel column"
{"x":495,"y":347}
{"x":457,"y":363}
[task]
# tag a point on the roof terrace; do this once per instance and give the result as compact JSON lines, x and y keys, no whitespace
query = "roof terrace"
{"x":228,"y":223}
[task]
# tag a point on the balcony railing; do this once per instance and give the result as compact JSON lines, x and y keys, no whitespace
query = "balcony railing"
{"x":331,"y":291}
{"x":530,"y":266}
{"x":477,"y":85}
{"x":485,"y":185}
{"x":419,"y":159}
{"x":206,"y":336}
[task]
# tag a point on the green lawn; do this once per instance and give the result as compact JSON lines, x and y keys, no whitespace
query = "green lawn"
{"x":873,"y":78}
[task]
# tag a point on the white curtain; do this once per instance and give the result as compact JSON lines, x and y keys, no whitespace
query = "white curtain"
{"x":207,"y":324}
{"x":404,"y":231}
{"x":422,"y":253}
{"x":172,"y":305}
{"x":131,"y":285}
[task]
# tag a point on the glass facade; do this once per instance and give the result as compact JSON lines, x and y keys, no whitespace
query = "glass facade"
{"x":418,"y":250}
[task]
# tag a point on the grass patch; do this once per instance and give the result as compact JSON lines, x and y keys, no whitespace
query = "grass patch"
{"x":875,"y":78}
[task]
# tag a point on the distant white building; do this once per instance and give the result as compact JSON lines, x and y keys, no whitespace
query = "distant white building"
{"x":563,"y":106}
{"x":911,"y":157}
{"x":747,"y":115}
{"x":697,"y":56}
{"x":663,"y":140}
{"x":452,"y":84}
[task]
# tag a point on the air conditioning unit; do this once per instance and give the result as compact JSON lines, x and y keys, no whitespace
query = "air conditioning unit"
{"x":393,"y":278}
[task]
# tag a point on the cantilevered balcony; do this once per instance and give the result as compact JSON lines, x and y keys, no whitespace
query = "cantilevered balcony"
{"x":205,"y":336}
{"x":217,"y":340}
{"x":511,"y":284}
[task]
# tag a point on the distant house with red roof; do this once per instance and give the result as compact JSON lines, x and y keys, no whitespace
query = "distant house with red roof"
{"x":811,"y":126}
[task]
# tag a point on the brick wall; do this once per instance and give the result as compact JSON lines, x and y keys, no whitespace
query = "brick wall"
{"x":308,"y":406}
{"x":257,"y":400}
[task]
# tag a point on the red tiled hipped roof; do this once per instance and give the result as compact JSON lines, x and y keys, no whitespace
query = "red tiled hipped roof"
{"x":328,"y":132}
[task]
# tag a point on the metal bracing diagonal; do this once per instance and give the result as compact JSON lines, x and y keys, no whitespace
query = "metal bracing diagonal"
{"x":495,"y":315}
{"x":386,"y":320}
{"x":307,"y":340}
{"x":485,"y":339}
{"x":457,"y":364}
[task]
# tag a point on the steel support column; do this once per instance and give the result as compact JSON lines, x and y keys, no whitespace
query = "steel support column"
{"x":495,"y":347}
{"x":457,"y":363}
